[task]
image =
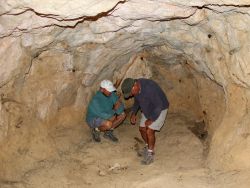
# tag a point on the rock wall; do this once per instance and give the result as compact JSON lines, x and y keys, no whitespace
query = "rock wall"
{"x":54,"y":54}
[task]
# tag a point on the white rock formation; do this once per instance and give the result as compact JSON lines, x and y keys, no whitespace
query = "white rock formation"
{"x":54,"y":53}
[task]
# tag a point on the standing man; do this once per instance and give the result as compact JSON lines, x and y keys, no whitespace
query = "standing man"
{"x":152,"y":101}
{"x":105,"y":112}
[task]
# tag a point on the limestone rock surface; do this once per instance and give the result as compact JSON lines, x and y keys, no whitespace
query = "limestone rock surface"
{"x":55,"y":53}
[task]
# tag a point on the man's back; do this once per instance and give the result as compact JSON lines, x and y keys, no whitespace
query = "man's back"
{"x":151,"y":98}
{"x":102,"y":106}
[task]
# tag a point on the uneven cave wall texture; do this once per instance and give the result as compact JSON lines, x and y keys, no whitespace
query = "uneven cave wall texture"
{"x":55,"y":53}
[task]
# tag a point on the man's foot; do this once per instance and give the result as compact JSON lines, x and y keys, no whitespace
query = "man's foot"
{"x":109,"y":135}
{"x":143,"y":152}
{"x":96,"y":135}
{"x":148,"y":159}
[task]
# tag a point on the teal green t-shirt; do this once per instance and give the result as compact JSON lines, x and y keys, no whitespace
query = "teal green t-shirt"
{"x":102,"y":106}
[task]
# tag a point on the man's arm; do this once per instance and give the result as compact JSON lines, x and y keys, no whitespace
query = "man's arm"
{"x":135,"y":107}
{"x":118,"y":105}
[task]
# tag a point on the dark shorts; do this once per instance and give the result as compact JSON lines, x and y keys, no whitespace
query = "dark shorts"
{"x":95,"y":123}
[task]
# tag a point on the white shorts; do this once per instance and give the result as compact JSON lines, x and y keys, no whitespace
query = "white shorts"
{"x":158,"y":123}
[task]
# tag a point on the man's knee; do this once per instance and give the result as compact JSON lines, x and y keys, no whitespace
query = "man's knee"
{"x":150,"y":131}
{"x":106,"y":125}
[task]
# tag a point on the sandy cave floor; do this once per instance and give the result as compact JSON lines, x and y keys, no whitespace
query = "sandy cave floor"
{"x":179,"y":162}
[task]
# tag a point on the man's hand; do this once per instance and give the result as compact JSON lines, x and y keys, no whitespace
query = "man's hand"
{"x":148,"y":122}
{"x":133,"y":119}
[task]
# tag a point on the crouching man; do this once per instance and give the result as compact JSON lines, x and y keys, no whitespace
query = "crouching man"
{"x":105,"y":112}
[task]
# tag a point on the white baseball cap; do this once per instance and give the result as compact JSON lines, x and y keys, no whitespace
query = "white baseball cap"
{"x":108,"y":85}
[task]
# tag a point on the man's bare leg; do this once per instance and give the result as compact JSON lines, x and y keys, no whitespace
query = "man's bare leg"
{"x":142,"y":152}
{"x":106,"y":125}
{"x":107,"y":128}
{"x":143,"y":132}
{"x":148,"y":158}
{"x":118,"y":120}
{"x":151,"y":138}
